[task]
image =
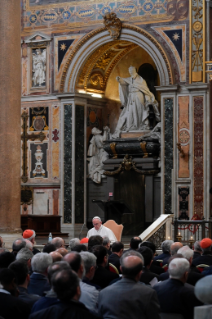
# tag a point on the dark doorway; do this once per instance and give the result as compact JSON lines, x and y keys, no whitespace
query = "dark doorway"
{"x":130,"y":188}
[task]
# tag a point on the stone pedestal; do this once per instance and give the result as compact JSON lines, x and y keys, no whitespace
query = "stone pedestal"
{"x":10,"y":120}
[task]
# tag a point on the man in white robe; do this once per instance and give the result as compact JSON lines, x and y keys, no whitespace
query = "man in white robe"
{"x":101,"y":230}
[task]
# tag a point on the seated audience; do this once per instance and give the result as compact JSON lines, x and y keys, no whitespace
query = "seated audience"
{"x":93,"y":241}
{"x":73,"y":242}
{"x":20,"y":269}
{"x":128,"y":298}
{"x":175,"y":247}
{"x":29,"y":245}
{"x":155,"y":265}
{"x":56,"y":256}
{"x":26,"y":255}
{"x":117,"y":252}
{"x":89,"y":260}
{"x":48,"y":248}
{"x":147,"y":276}
{"x":79,"y":248}
{"x":18,"y":244}
{"x":6,"y":258}
{"x":50,"y":298}
{"x":30,"y":235}
{"x":197,"y":249}
{"x":173,"y":295}
{"x":39,"y":283}
{"x":166,"y":254}
{"x":206,"y":257}
{"x":106,"y":244}
{"x":89,"y":295}
{"x":102,"y":277}
{"x":11,"y":305}
{"x":62,"y":251}
{"x":203,"y":290}
{"x":58,"y":242}
{"x":134,"y":243}
{"x":66,"y":285}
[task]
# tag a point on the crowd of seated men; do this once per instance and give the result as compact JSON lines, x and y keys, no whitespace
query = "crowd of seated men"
{"x":93,"y":279}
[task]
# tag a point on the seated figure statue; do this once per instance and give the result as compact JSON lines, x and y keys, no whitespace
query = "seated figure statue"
{"x":135,"y":98}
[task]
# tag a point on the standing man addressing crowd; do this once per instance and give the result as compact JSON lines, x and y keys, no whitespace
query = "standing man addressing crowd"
{"x":101,"y":230}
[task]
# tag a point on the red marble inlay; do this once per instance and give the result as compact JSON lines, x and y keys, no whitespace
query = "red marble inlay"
{"x":198,"y":155}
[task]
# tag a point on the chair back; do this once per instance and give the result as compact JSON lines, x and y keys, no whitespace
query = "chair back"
{"x":165,"y":267}
{"x":164,"y":315}
{"x":202,"y":267}
{"x":113,"y":269}
{"x":116,"y":229}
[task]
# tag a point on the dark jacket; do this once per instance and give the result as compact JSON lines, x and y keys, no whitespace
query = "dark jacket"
{"x":44,"y":302}
{"x":156,"y":268}
{"x":70,"y":310}
{"x":115,"y":260}
{"x":192,"y":279}
{"x":28,"y":298}
{"x":164,"y":256}
{"x":205,"y":258}
{"x":13,"y":307}
{"x":147,"y":276}
{"x":128,"y":299}
{"x":38,"y":284}
{"x":175,"y":297}
{"x":35,"y":251}
{"x":87,"y":281}
{"x":103,"y":277}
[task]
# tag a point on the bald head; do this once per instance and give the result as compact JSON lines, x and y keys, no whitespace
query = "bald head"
{"x":58,"y":242}
{"x":132,"y":265}
{"x":62,"y":251}
{"x":56,"y":256}
{"x":175,"y":247}
{"x":74,"y":260}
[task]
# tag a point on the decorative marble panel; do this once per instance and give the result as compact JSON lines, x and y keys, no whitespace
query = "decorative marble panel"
{"x":183,"y":136}
{"x":79,"y":165}
{"x":168,"y":165}
{"x":198,"y":155}
{"x":67,"y":163}
{"x":55,"y":141}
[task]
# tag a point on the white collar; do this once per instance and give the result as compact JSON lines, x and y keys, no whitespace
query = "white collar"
{"x":5,"y":291}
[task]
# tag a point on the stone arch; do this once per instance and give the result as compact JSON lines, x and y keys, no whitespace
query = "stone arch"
{"x":96,"y":38}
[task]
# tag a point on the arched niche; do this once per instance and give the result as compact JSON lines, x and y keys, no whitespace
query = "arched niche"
{"x":100,"y":37}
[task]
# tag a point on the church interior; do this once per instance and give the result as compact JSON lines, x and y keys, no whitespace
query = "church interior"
{"x":106,"y":131}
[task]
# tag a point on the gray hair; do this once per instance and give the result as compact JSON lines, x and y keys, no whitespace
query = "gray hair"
{"x":40,"y":262}
{"x":166,"y":245}
{"x":131,"y":253}
{"x":24,"y":254}
{"x":106,"y":241}
{"x":18,"y":244}
{"x":57,"y":241}
{"x":186,"y":252}
{"x":29,"y":244}
{"x":74,"y":242}
{"x":178,"y":267}
{"x":89,"y":260}
{"x":197,"y":246}
{"x":96,"y":217}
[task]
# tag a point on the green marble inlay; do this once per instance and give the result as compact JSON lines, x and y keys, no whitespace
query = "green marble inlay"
{"x":67,"y":163}
{"x":79,"y":164}
{"x":168,"y":155}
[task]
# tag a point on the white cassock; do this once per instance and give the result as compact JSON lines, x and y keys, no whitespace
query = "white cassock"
{"x":103,"y":232}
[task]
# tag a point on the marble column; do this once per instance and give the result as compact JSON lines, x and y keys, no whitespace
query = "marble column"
{"x":10,"y":120}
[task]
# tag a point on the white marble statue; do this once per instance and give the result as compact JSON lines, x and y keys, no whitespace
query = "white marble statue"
{"x":98,"y":154}
{"x":39,"y":67}
{"x":135,"y":98}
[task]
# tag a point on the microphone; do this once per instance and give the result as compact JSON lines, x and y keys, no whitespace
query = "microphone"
{"x":81,"y":230}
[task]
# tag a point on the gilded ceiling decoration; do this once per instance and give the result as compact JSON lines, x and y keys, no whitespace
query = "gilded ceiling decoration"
{"x":94,"y":74}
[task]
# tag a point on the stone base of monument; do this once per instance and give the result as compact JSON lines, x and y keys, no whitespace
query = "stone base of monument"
{"x":10,"y":237}
{"x":118,"y":148}
{"x":134,"y":134}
